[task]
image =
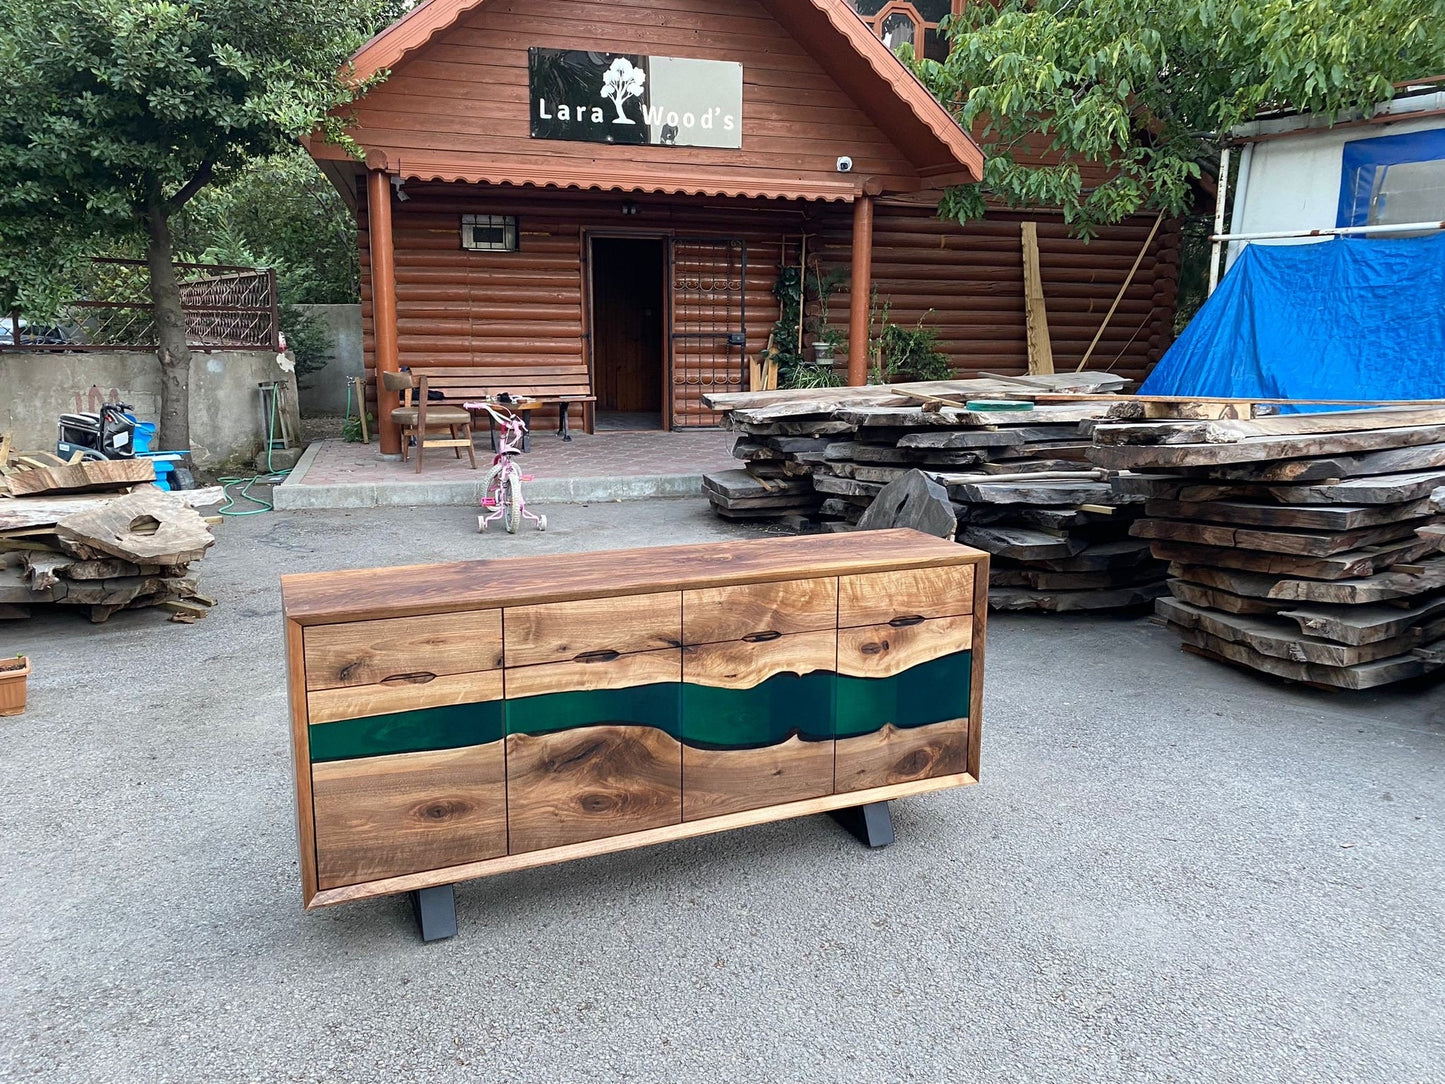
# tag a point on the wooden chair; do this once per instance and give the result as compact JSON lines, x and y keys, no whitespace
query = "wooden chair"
{"x":420,"y":418}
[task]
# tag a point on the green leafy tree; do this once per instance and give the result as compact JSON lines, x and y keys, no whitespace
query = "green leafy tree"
{"x":1144,"y":88}
{"x":118,"y":113}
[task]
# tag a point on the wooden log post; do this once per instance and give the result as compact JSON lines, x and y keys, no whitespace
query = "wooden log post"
{"x":860,"y":291}
{"x":1041,"y":351}
{"x":383,"y":303}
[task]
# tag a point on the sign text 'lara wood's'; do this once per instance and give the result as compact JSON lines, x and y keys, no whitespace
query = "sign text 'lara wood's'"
{"x":629,"y":98}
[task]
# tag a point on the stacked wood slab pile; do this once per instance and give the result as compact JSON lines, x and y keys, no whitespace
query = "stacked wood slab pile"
{"x":97,"y":535}
{"x":1307,"y":546}
{"x":1019,"y":481}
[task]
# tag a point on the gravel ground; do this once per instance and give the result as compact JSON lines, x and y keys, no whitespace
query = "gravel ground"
{"x":1171,"y":872}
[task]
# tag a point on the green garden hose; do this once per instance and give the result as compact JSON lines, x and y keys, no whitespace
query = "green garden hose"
{"x":269,"y":478}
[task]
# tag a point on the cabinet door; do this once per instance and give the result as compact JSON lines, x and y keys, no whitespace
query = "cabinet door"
{"x":757,"y":723}
{"x":903,"y":701}
{"x":385,"y":816}
{"x":592,"y":748}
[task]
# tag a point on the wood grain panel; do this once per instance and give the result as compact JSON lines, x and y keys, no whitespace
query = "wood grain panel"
{"x":622,"y":672}
{"x":591,"y":782}
{"x":561,"y":631}
{"x":730,"y":613}
{"x":744,"y":665}
{"x":392,"y":815}
{"x":402,"y":649}
{"x":884,"y":650}
{"x":359,"y":701}
{"x":898,"y":755}
{"x":879,"y":597}
{"x":716,"y":782}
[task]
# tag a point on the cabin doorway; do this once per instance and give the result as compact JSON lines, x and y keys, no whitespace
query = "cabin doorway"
{"x":629,"y":324}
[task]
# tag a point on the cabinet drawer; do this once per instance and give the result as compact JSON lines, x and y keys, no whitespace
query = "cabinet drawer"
{"x":563,"y":631}
{"x":718,"y":614}
{"x":402,"y":649}
{"x":880,"y":651}
{"x":391,"y":815}
{"x":875,"y":598}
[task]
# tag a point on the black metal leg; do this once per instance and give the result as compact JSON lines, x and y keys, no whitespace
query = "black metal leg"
{"x":527,"y":432}
{"x":436,"y":912}
{"x":871,"y":824}
{"x":562,"y":427}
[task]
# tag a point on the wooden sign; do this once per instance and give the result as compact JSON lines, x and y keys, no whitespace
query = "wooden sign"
{"x":629,"y":98}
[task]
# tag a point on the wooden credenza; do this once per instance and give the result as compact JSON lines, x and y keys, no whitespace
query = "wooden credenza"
{"x":458,"y":720}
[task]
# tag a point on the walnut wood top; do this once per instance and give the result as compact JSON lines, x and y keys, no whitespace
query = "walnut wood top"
{"x":365,"y":594}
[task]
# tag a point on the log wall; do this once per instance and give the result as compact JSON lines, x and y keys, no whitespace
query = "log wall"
{"x":503,"y":310}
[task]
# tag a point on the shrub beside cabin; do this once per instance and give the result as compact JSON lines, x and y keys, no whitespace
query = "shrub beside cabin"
{"x":601,"y":196}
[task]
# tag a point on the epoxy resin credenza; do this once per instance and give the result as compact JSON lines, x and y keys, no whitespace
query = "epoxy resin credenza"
{"x":457,"y":720}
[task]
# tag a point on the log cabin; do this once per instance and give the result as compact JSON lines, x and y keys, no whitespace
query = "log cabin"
{"x":598,"y":198}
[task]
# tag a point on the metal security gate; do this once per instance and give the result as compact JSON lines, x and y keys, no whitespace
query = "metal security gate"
{"x":709,"y":320}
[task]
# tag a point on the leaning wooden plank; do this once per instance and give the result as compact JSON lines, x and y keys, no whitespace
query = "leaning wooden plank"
{"x":1302,"y":543}
{"x":1280,"y":639}
{"x":83,"y":477}
{"x":1365,"y":624}
{"x":142,"y":527}
{"x":1116,"y":598}
{"x":1363,"y":676}
{"x":1262,"y":449}
{"x":1340,"y":566}
{"x":1339,"y":517}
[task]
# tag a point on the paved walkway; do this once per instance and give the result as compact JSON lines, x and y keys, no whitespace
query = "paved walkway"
{"x":601,"y":467}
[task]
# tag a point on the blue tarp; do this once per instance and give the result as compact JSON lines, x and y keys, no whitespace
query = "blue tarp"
{"x":1352,"y":318}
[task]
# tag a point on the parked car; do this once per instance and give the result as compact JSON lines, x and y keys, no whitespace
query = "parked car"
{"x":40,"y":334}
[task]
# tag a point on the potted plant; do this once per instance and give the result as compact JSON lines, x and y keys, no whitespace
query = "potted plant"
{"x":13,"y":672}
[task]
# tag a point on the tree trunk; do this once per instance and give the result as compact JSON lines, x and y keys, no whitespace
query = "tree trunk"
{"x":174,"y":354}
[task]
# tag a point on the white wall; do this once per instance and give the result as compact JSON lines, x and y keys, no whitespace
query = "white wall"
{"x":1292,"y":182}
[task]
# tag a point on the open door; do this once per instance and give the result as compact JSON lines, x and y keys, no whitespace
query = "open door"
{"x":629,"y":305}
{"x":709,"y":319}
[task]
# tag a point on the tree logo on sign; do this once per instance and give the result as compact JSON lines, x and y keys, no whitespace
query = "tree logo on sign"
{"x":623,"y":81}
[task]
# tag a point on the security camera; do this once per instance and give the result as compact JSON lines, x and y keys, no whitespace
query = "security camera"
{"x":845,"y":164}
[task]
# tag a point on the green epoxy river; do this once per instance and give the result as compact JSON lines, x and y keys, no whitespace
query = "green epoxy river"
{"x":408,"y":732}
{"x":815,"y":706}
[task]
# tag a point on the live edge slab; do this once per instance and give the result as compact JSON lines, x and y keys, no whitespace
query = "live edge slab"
{"x":459,"y":720}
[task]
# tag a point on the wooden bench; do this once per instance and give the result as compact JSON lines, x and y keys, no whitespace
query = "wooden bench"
{"x":462,"y":720}
{"x":545,"y":386}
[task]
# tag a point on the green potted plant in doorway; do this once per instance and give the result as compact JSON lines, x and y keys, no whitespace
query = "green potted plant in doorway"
{"x":13,"y":672}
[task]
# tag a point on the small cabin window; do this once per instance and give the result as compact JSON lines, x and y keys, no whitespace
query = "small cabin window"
{"x":489,"y":233}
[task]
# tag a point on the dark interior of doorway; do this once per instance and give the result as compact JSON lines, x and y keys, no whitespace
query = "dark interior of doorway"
{"x":628,"y":316}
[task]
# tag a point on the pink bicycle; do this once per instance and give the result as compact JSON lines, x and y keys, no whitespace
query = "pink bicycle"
{"x":502,"y":491}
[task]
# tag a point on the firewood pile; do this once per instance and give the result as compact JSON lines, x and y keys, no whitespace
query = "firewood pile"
{"x":1307,"y":546}
{"x":1017,"y":480}
{"x":95,"y":534}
